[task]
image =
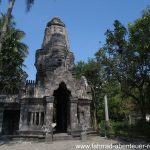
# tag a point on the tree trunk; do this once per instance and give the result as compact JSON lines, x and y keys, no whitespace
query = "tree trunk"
{"x":5,"y":26}
{"x":94,"y":110}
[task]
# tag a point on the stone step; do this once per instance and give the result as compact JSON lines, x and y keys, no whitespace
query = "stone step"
{"x":63,"y":136}
{"x":92,"y":133}
{"x":22,"y":138}
{"x":41,"y":138}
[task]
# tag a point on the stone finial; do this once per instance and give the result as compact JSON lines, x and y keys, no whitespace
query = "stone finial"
{"x":84,"y":81}
{"x":56,"y":21}
{"x":55,"y":34}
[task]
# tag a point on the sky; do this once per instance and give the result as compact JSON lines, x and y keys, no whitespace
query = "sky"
{"x":86,"y":22}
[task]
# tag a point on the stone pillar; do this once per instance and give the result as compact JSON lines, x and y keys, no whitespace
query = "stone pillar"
{"x":31,"y":121}
{"x":23,"y":118}
{"x":49,"y":110}
{"x":49,"y":118}
{"x":85,"y":114}
{"x":39,"y":118}
{"x":73,"y":116}
{"x":35,"y":118}
{"x":88,"y":116}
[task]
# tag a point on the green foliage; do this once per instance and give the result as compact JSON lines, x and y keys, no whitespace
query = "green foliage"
{"x":122,"y":129}
{"x":12,"y":57}
{"x":121,"y":70}
{"x":140,"y":130}
{"x":127,"y":60}
{"x":80,"y":69}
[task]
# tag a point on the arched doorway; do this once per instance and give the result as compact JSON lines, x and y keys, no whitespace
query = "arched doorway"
{"x":62,"y":108}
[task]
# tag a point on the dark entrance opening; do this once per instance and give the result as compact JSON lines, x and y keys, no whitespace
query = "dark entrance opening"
{"x":10,"y":122}
{"x":61,"y":108}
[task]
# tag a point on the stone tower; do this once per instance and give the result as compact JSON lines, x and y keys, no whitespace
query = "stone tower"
{"x":56,"y":96}
{"x":54,"y":54}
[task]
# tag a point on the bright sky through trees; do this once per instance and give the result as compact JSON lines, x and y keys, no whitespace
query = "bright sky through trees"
{"x":86,"y":21}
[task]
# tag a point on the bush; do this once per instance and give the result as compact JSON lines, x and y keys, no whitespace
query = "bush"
{"x":120,"y":128}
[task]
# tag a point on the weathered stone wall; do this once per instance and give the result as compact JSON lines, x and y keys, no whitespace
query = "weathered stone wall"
{"x":31,"y":112}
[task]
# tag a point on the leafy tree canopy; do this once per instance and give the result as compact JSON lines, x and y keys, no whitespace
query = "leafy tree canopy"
{"x":121,"y":69}
{"x":13,"y":54}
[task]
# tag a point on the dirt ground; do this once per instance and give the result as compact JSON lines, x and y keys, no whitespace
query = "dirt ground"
{"x":92,"y":143}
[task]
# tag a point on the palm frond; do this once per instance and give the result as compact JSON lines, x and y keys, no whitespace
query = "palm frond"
{"x":19,"y":35}
{"x":29,"y":4}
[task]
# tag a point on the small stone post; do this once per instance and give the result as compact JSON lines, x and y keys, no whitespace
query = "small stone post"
{"x":107,"y":124}
{"x":106,"y":109}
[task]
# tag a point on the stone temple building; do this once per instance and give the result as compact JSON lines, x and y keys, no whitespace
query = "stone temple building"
{"x":56,"y":98}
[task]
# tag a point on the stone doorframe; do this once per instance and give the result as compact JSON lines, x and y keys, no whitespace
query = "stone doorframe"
{"x":72,"y":128}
